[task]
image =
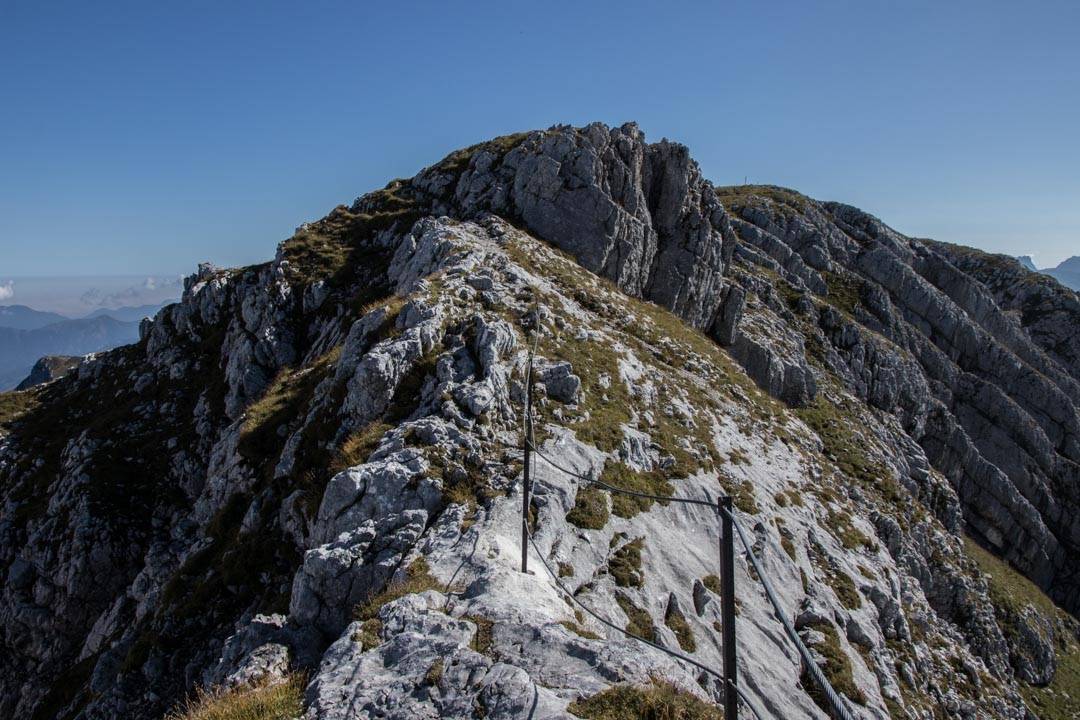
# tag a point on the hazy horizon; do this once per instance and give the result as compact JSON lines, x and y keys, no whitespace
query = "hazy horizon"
{"x":78,"y":296}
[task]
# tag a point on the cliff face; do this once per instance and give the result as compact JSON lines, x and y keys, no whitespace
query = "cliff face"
{"x":314,"y":464}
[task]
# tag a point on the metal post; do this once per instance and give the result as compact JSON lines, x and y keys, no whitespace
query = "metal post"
{"x":526,"y":479}
{"x":727,"y":608}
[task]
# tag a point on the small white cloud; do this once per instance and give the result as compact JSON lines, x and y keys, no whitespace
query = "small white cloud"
{"x":7,"y":290}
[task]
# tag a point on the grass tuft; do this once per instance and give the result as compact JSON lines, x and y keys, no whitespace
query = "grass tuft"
{"x":848,"y":535}
{"x":621,"y":476}
{"x":578,"y":630}
{"x":418,"y":579}
{"x":484,"y":638}
{"x":639,"y":622}
{"x":712,"y":583}
{"x":369,"y":634}
{"x":841,"y":445}
{"x":590,"y":510}
{"x":676,"y":621}
{"x":625,"y":564}
{"x":434,"y":673}
{"x":281,"y":701}
{"x":837,"y":669}
{"x":660,"y":700}
{"x":356,"y":448}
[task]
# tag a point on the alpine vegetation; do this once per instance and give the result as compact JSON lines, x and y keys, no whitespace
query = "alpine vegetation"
{"x":299,"y":494}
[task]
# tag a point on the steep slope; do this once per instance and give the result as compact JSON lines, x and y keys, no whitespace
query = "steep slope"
{"x":315,"y":464}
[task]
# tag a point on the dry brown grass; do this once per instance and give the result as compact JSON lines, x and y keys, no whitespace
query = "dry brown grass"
{"x":418,"y":579}
{"x":660,"y":700}
{"x":280,"y":701}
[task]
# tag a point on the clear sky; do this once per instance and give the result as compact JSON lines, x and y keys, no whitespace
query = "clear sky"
{"x":143,"y":137}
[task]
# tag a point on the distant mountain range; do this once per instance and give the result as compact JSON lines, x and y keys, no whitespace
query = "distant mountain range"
{"x":1067,"y":273}
{"x":26,"y":335}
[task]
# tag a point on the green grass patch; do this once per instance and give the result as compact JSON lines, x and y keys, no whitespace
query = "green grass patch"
{"x":358,"y":446}
{"x":340,"y":247}
{"x":849,"y":536}
{"x":590,"y":510}
{"x":457,"y":162}
{"x":434,"y":673}
{"x":621,"y":476}
{"x":845,"y":291}
{"x":660,"y":700}
{"x":788,"y":545}
{"x":741,"y":493}
{"x":463,"y":484}
{"x":738,"y":196}
{"x":838,"y":580}
{"x":607,"y":407}
{"x":283,"y":404}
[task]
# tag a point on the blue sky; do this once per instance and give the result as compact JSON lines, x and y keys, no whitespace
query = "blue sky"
{"x":141,"y":138}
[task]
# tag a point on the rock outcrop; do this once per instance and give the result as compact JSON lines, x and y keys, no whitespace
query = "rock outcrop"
{"x":49,"y":368}
{"x":314,"y":465}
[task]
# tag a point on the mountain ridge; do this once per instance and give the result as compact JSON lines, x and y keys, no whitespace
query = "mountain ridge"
{"x":22,"y":317}
{"x":336,"y":428}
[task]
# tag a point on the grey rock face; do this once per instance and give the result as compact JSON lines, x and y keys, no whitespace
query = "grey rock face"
{"x":929,"y":333}
{"x":637,"y":213}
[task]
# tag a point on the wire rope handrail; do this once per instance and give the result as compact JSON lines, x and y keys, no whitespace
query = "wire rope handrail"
{"x":613,"y":488}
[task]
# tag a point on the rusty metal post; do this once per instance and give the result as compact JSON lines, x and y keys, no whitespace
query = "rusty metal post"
{"x":727,"y":607}
{"x":526,"y":477}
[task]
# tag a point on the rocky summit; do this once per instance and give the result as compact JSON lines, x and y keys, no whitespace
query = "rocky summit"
{"x":302,"y":486}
